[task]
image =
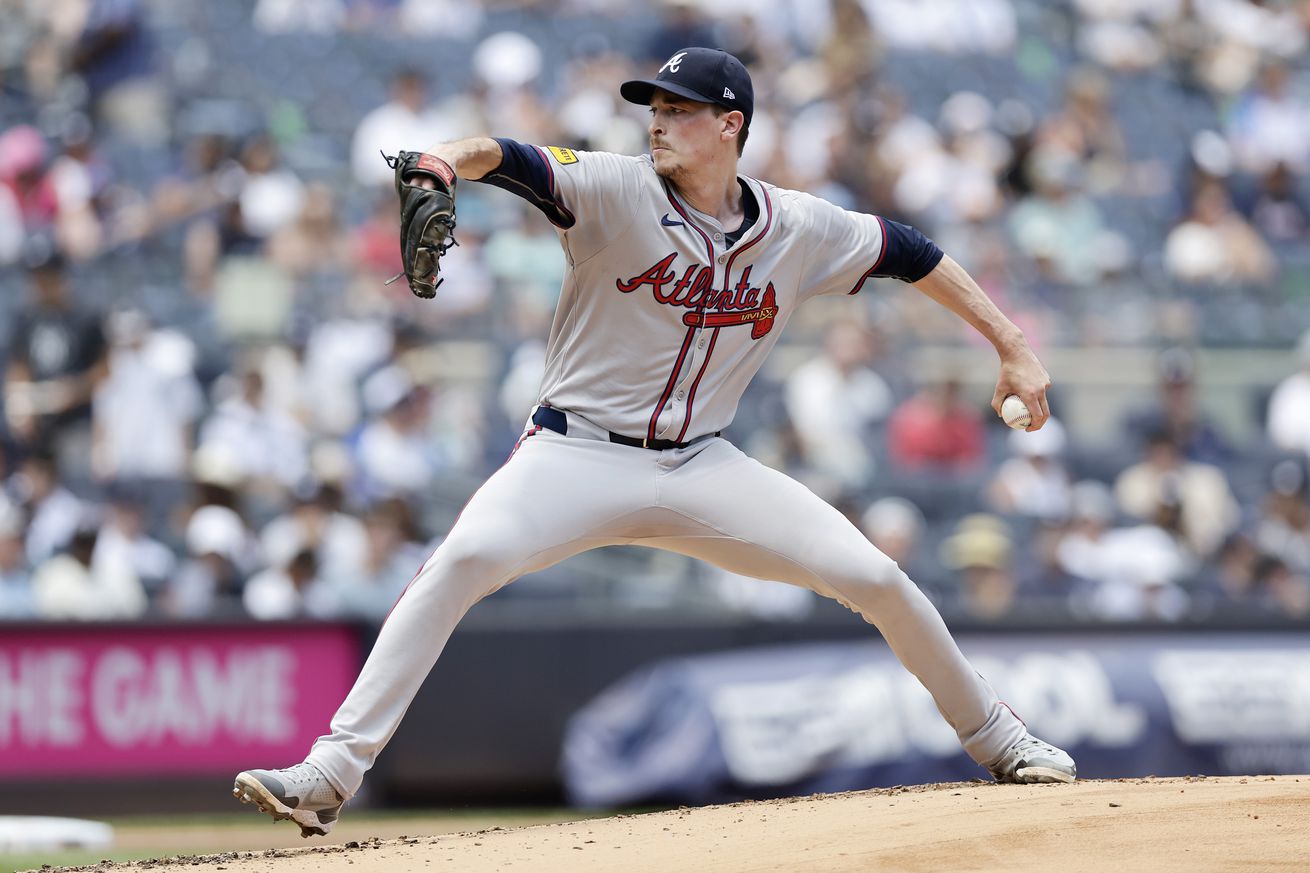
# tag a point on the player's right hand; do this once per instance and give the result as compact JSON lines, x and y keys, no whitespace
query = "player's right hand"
{"x":1023,"y":375}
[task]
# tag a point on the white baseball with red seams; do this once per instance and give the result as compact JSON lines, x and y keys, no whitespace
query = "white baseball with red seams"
{"x":661,"y":324}
{"x":1015,"y":413}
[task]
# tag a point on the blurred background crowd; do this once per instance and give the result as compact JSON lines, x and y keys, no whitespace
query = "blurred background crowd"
{"x":214,"y":408}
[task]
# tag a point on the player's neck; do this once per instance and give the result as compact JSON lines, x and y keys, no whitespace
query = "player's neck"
{"x":713,"y":191}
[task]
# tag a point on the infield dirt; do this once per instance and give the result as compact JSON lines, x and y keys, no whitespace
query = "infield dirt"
{"x":1188,"y":825}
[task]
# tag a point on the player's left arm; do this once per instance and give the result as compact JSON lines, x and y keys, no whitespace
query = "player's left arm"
{"x":1021,"y":372}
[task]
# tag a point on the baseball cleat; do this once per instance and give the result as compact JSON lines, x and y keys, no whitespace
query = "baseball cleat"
{"x":1031,"y":760}
{"x":300,"y":793}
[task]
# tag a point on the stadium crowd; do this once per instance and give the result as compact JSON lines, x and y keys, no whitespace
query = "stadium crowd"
{"x":214,"y":408}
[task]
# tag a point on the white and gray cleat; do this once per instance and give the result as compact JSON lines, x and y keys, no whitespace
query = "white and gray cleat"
{"x":300,"y":793}
{"x":1031,"y":760}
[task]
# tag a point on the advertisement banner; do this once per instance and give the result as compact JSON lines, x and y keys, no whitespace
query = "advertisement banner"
{"x":167,"y":701}
{"x":832,"y":717}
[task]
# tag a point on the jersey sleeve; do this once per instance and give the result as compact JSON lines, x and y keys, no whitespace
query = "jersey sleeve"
{"x":591,"y":197}
{"x":850,"y":248}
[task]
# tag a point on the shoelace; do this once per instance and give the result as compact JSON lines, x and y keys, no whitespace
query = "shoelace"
{"x":307,"y":776}
{"x":1032,"y":744}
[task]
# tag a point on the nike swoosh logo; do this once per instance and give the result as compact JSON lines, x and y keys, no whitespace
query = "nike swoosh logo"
{"x":668,"y":222}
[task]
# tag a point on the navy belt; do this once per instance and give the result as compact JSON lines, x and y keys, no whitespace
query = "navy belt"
{"x":554,"y":419}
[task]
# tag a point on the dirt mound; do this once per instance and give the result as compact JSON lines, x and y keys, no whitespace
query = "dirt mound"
{"x":1189,"y":825}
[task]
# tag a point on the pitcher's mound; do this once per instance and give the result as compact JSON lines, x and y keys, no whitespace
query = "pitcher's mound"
{"x":1160,"y":825}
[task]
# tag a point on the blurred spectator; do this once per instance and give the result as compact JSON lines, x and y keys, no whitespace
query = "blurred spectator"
{"x":981,"y":550}
{"x":1207,"y":511}
{"x":896,"y":526}
{"x":1059,"y":226}
{"x":1281,"y":590}
{"x":313,"y":244}
{"x":1141,"y":569}
{"x":145,"y":409}
{"x":267,"y":446}
{"x":852,"y":51}
{"x":393,"y":556}
{"x":1085,"y":129}
{"x":522,"y":383}
{"x":70,"y":586}
{"x":1271,"y":125}
{"x":955,"y":180}
{"x":52,"y":510}
{"x":293,"y":590}
{"x":1283,"y":530}
{"x":1228,"y":582}
{"x":1034,"y":481}
{"x":272,"y":195}
{"x":124,"y":542}
{"x":682,"y":23}
{"x":1289,"y":406}
{"x":1214,"y":243}
{"x":526,"y":257}
{"x":936,"y":429}
{"x":29,"y":200}
{"x":952,"y":26}
{"x":338,"y":353}
{"x":405,"y":122}
{"x":1081,"y":552}
{"x":212,"y":577}
{"x":324,"y":17}
{"x":1278,"y":210}
{"x":1174,"y":412}
{"x":395,"y":453}
{"x":1123,"y":34}
{"x":1240,"y":34}
{"x":337,"y":541}
{"x":56,"y":359}
{"x":17,"y":600}
{"x":834,"y":400}
{"x":114,"y":55}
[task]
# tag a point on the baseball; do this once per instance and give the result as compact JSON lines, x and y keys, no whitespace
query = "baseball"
{"x":1015,"y":413}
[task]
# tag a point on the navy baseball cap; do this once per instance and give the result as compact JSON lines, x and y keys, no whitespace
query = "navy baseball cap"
{"x":707,"y":75}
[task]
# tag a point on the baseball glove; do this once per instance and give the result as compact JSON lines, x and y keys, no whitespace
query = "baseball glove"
{"x":427,"y":218}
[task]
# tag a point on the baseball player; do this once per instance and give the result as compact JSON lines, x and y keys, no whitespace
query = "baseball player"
{"x":680,"y":275}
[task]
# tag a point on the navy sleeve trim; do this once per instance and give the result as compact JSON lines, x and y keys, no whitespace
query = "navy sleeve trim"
{"x":525,"y":170}
{"x":907,"y":254}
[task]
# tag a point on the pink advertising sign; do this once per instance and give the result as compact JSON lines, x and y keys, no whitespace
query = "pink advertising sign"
{"x":88,"y":701}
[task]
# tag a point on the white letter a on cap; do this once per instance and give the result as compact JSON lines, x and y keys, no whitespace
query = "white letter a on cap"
{"x":673,"y":63}
{"x":727,"y":92}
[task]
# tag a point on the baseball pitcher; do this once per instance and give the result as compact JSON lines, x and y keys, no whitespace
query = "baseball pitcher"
{"x":681,"y":274}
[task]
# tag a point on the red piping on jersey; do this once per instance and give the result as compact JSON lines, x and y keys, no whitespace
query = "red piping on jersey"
{"x":686,"y":342}
{"x":882,"y":254}
{"x":550,"y":177}
{"x":727,"y":280}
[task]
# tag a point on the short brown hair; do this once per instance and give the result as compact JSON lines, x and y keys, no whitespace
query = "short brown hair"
{"x":720,"y":111}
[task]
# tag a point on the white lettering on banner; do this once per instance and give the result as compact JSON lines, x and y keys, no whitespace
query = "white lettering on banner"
{"x":1066,"y":697}
{"x":189,"y":697}
{"x":1236,"y":696}
{"x":777,"y":732}
{"x":41,"y":699}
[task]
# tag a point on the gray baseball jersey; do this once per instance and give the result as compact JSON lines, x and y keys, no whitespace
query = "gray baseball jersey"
{"x":662,"y":321}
